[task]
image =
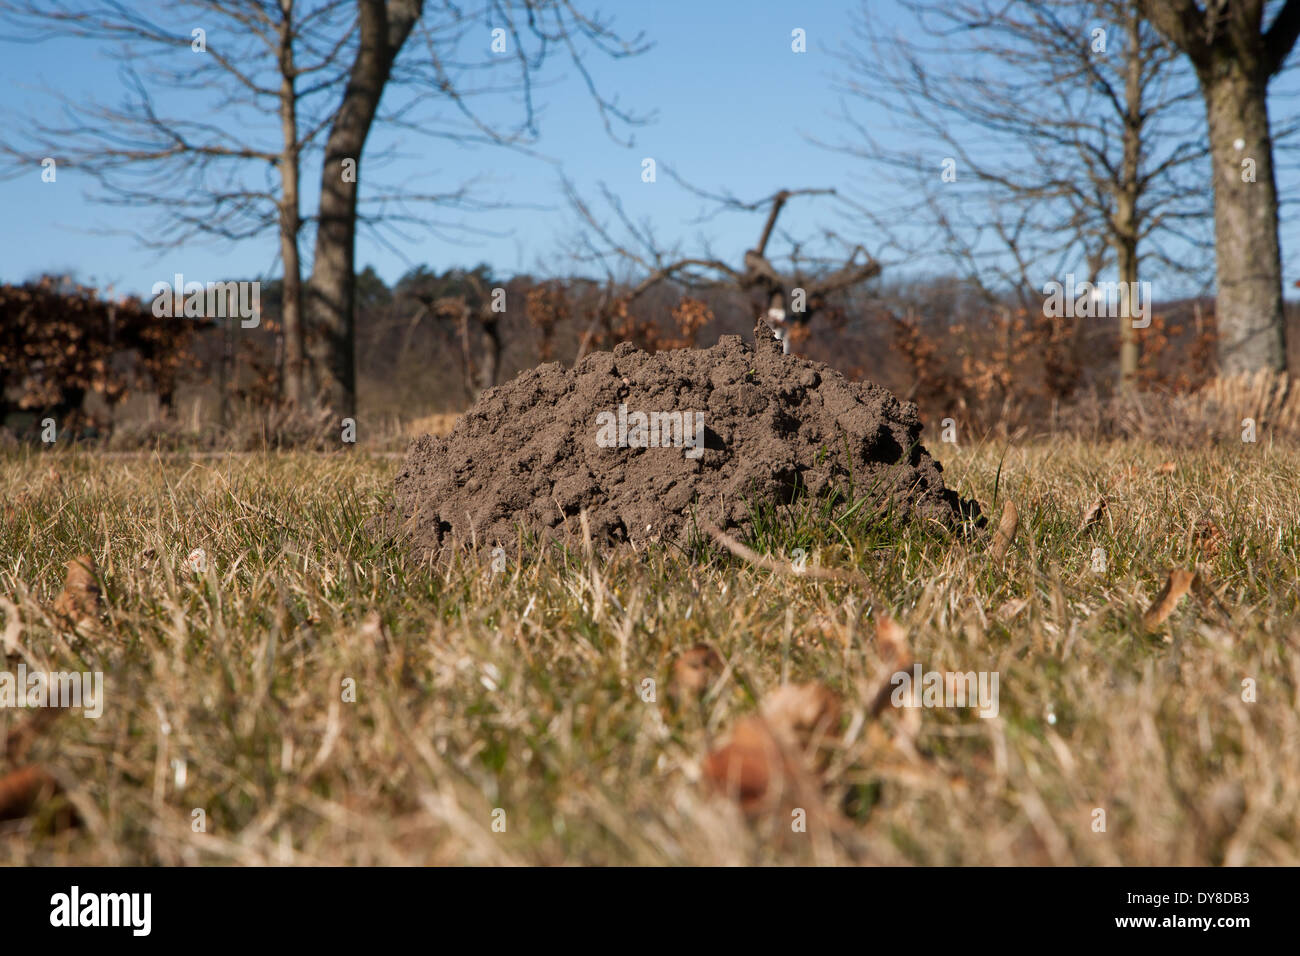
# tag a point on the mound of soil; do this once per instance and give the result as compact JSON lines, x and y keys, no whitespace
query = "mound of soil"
{"x":538,"y":450}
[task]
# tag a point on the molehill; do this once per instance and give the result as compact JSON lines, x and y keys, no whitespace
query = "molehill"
{"x":616,"y":436}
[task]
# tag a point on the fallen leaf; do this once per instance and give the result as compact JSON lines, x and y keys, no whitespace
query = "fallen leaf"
{"x":1093,"y":515}
{"x":1010,"y":609}
{"x":1177,"y":584}
{"x":80,"y":602}
{"x":802,"y":714}
{"x":891,"y":639}
{"x":1203,"y":588}
{"x":751,"y":767}
{"x":770,"y":760}
{"x":22,"y":790}
{"x":373,"y":630}
{"x":13,"y":627}
{"x":1208,"y":537}
{"x":1005,"y":533}
{"x":695,"y":670}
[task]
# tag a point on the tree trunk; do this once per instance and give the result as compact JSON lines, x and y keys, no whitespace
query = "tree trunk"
{"x":467,"y":356}
{"x":491,"y":352}
{"x":1126,"y":205}
{"x":226,"y":375}
{"x":1129,"y":352}
{"x":290,"y":219}
{"x":1234,"y":59}
{"x":331,"y":293}
{"x":1248,"y":307}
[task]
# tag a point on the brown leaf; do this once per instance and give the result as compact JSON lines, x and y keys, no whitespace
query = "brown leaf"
{"x":802,"y":714}
{"x":23,"y":790}
{"x":891,"y":639}
{"x":22,"y":500}
{"x":1203,"y":588}
{"x":1093,"y":515}
{"x":1005,"y":533}
{"x":769,"y":760}
{"x":1209,"y":537}
{"x":80,"y":601}
{"x":372,"y":629}
{"x":763,"y":773}
{"x":750,"y":765}
{"x":1177,"y":584}
{"x":695,"y":670}
{"x":1009,"y":610}
{"x":13,"y":627}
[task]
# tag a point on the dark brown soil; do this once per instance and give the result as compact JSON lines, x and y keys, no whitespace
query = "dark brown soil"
{"x":775,"y":427}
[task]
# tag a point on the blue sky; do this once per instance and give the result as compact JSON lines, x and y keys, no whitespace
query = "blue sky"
{"x":723,"y":86}
{"x":734,"y":107}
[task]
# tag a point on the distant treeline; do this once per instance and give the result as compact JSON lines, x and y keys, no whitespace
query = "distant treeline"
{"x":431,"y":342}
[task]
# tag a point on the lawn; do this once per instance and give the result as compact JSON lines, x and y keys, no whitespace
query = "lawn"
{"x":314,"y":696}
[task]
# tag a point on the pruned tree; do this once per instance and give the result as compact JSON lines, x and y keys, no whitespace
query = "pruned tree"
{"x":461,"y":304}
{"x":1236,"y":56}
{"x":1055,"y":138}
{"x":788,"y":290}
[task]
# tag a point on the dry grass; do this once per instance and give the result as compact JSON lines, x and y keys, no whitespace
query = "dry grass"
{"x":522,"y":690}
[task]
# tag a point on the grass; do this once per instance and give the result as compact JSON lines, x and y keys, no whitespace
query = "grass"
{"x":522,"y":691}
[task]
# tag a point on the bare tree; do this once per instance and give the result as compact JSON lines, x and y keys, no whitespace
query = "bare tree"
{"x":1055,"y":138}
{"x":322,"y":73}
{"x":229,"y":176}
{"x":520,"y":34}
{"x":459,"y":301}
{"x":1235,"y":58}
{"x":384,"y":28}
{"x":803,"y":283}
